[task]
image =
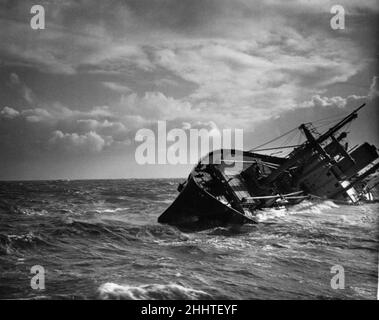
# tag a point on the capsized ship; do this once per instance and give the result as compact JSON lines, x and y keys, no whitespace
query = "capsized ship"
{"x":229,"y":187}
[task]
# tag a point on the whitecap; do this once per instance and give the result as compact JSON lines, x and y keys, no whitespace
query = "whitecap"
{"x":267,"y":214}
{"x":111,"y":210}
{"x":150,"y":292}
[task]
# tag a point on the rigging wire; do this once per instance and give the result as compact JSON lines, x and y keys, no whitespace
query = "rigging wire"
{"x":328,"y":123}
{"x":329,"y":119}
{"x":276,"y":148}
{"x":323,"y":123}
{"x":289,"y":139}
{"x":275,"y":139}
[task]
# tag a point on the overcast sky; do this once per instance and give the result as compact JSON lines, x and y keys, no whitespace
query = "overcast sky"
{"x":72,"y":96}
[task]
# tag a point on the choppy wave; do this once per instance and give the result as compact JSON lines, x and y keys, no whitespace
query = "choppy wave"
{"x":310,"y":207}
{"x":101,"y":239}
{"x":12,"y":243}
{"x":150,"y":292}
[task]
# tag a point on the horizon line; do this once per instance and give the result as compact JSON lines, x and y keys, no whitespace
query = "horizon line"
{"x":88,"y":179}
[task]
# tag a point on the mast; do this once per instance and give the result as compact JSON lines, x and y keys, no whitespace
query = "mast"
{"x":312,"y":144}
{"x":340,"y":124}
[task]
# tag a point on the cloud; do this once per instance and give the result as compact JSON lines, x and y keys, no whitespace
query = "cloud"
{"x":211,"y":128}
{"x":116,"y":130}
{"x":90,"y":141}
{"x":9,"y":113}
{"x":121,"y":35}
{"x":90,"y":130}
{"x":186,"y":125}
{"x":156,"y":106}
{"x":14,"y":79}
{"x":336,"y":101}
{"x":57,"y":113}
{"x":117,"y":87}
{"x":25,"y":92}
{"x":118,"y":58}
{"x":37,"y":115}
{"x":234,"y":64}
{"x":240,"y":62}
{"x":374,"y":88}
{"x":165,"y":82}
{"x":244,"y":80}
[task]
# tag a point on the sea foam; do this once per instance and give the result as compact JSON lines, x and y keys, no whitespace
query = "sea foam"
{"x":150,"y":292}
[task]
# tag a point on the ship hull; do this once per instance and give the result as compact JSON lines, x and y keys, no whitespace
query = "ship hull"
{"x":231,"y":186}
{"x":195,"y":208}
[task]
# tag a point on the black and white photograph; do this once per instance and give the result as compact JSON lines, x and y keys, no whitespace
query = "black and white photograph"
{"x":205,"y":150}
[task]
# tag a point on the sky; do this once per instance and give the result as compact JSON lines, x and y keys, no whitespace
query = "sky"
{"x":74,"y":95}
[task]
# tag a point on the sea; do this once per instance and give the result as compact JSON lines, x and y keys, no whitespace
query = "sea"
{"x":100,"y":239}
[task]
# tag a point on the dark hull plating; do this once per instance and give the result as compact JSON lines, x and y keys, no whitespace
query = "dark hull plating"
{"x":195,"y":208}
